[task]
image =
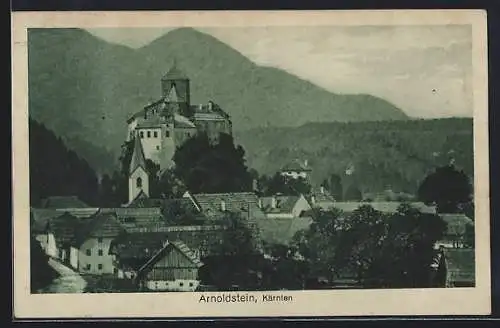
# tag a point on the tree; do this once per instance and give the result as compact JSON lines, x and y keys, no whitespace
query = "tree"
{"x":335,"y":187}
{"x":447,"y":188}
{"x":212,"y":168}
{"x":233,"y":258}
{"x":319,"y":244}
{"x":361,"y":242}
{"x":353,"y":193}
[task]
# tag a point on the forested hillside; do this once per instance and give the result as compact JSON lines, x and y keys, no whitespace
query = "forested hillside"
{"x":56,"y":170}
{"x":394,"y":154}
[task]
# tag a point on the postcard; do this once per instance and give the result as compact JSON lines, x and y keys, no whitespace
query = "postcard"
{"x":250,"y":164}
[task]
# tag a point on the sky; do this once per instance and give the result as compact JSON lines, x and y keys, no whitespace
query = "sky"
{"x":424,"y":70}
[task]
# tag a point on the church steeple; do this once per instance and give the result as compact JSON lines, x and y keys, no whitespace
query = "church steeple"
{"x":138,"y":180}
{"x":138,"y":158}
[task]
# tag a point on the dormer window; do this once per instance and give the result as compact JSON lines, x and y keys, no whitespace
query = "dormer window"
{"x":141,"y":134}
{"x":138,"y":182}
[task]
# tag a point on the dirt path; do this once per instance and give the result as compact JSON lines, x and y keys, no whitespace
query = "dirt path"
{"x":68,"y":282}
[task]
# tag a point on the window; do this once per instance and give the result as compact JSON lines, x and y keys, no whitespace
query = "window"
{"x":100,"y":252}
{"x":141,"y":134}
{"x":189,"y":134}
{"x":99,"y":266}
{"x":99,"y":240}
{"x":157,"y":147}
{"x":155,"y":134}
{"x":181,"y":284}
{"x":115,"y":271}
{"x":190,"y":284}
{"x":89,"y":252}
{"x":149,"y":134}
{"x":167,"y":134}
{"x":88,"y":267}
{"x":138,"y":182}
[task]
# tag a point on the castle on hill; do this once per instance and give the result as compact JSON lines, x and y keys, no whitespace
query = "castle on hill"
{"x":167,"y":123}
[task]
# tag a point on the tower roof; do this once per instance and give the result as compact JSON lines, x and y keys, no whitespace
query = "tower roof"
{"x":138,"y":159}
{"x":172,"y":95}
{"x":175,"y":73}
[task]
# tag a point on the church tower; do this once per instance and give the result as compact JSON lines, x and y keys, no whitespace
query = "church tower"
{"x":175,"y":81}
{"x":138,"y":179}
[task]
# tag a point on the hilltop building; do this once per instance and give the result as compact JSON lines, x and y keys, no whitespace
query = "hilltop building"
{"x":295,"y":169}
{"x":167,"y":123}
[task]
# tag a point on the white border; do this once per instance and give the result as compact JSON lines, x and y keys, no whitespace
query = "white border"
{"x":473,"y":301}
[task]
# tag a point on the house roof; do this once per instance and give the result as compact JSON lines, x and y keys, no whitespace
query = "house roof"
{"x":153,"y":122}
{"x":170,"y":246}
{"x":281,"y":231}
{"x":182,"y":122}
{"x":141,"y":245}
{"x":138,"y":159}
{"x":457,"y":223}
{"x":211,"y":204}
{"x":63,"y":202}
{"x":65,"y":227}
{"x":386,"y":207}
{"x":295,"y":166}
{"x":284,"y":204}
{"x":40,"y":219}
{"x":102,"y":224}
{"x":461,"y":264}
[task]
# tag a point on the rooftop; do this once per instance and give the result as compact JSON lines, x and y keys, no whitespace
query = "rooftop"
{"x":63,"y":202}
{"x":295,"y":166}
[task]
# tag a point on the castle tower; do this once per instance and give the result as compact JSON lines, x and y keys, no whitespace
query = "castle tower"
{"x":138,"y":179}
{"x":176,"y":79}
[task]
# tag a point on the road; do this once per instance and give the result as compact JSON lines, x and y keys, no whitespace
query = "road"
{"x":68,"y":282}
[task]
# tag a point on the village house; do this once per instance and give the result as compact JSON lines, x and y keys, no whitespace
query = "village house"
{"x":133,"y":248}
{"x":173,"y":268}
{"x":93,"y":240}
{"x":295,"y":169}
{"x":283,"y":207}
{"x":64,"y":228}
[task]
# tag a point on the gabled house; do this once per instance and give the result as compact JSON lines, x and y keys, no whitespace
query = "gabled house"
{"x":296,"y":169}
{"x":279,"y":206}
{"x":64,"y":228}
{"x":173,"y":268}
{"x":132,"y":250}
{"x":91,"y":244}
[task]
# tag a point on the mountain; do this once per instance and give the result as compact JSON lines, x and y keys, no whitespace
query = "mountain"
{"x":395,"y":155}
{"x":84,"y":88}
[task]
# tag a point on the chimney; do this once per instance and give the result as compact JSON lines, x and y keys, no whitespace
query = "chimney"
{"x":200,"y":106}
{"x":306,"y":162}
{"x":260,"y":202}
{"x":322,"y":190}
{"x":223,"y":206}
{"x":210,"y":105}
{"x":273,"y":202}
{"x":313,"y":200}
